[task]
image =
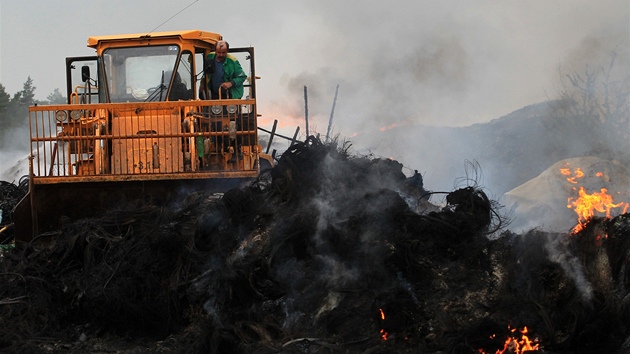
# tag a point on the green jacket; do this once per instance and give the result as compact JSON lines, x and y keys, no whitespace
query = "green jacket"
{"x":232,"y":71}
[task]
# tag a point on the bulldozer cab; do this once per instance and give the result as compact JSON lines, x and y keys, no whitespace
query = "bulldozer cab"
{"x":165,"y":66}
{"x":135,"y":125}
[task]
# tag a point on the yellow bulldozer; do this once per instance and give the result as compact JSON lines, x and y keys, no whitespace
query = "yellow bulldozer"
{"x":135,"y":126}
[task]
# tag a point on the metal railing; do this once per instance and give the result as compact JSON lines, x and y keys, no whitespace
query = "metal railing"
{"x":153,"y":140}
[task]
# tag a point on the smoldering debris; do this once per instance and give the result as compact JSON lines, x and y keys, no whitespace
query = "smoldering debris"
{"x":322,"y":254}
{"x":10,"y":196}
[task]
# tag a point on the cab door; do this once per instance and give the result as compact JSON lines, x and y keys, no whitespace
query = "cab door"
{"x":82,"y":79}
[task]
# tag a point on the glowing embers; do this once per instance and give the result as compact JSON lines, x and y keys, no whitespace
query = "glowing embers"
{"x":517,"y":342}
{"x":383,"y":332}
{"x":586,"y":205}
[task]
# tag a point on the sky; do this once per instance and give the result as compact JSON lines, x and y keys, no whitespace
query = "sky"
{"x":397,"y":63}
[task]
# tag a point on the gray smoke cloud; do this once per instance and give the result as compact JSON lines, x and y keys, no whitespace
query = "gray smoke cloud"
{"x":596,"y":50}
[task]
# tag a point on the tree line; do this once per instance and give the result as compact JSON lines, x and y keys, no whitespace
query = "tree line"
{"x":14,"y":111}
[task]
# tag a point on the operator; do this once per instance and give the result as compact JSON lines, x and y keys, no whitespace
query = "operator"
{"x":224,"y":75}
{"x":224,"y":72}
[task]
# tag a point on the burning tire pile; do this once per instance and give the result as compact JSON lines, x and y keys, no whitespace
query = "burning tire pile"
{"x":322,"y":254}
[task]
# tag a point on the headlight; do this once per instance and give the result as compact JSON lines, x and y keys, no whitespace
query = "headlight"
{"x":75,"y":115}
{"x":216,"y":109}
{"x":231,"y":109}
{"x":61,"y":116}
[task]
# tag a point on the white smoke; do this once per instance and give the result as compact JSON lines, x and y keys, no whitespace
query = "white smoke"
{"x":14,"y":165}
{"x":558,"y":252}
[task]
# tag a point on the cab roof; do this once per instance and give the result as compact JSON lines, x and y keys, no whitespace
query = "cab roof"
{"x":209,"y":37}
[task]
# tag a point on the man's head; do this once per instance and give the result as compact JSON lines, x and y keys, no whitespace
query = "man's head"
{"x":222,"y":50}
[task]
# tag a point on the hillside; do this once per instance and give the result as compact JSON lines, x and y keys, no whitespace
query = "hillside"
{"x":509,"y":150}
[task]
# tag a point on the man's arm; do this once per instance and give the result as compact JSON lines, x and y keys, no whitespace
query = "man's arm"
{"x":236,"y":77}
{"x":239,"y":74}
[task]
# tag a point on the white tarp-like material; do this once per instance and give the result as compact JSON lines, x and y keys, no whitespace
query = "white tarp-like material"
{"x":542,"y":202}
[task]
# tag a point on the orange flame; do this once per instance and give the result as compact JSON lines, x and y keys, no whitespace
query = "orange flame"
{"x":572,"y":178}
{"x":394,"y":125}
{"x":586,"y":205}
{"x":515,"y":345}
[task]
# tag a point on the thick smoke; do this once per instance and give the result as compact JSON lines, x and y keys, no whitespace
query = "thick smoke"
{"x":401,"y":79}
{"x":438,"y":66}
{"x":595,"y":52}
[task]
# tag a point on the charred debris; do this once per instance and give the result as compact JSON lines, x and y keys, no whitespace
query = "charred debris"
{"x":324,"y":253}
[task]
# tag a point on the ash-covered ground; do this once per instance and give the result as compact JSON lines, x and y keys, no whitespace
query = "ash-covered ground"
{"x":325,"y":253}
